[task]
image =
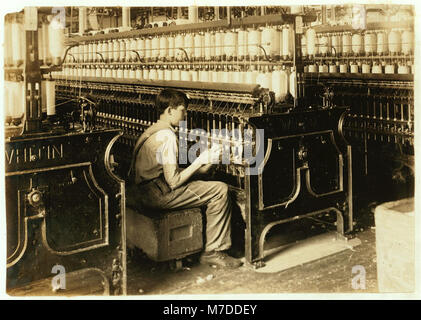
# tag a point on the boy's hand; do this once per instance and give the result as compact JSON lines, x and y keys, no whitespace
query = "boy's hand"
{"x":211,"y":155}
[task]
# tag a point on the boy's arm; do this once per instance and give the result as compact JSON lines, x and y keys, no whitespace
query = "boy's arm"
{"x":172,"y":173}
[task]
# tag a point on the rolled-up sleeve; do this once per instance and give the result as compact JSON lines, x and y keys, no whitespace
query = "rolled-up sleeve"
{"x":167,"y":155}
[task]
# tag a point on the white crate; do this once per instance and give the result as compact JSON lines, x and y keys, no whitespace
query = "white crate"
{"x":395,"y":246}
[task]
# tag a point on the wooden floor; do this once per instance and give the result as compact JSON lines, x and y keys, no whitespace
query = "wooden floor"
{"x":331,"y":274}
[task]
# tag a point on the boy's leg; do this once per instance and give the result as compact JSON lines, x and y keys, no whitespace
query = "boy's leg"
{"x":213,"y":195}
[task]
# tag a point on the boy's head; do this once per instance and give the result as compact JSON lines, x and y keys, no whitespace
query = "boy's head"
{"x":170,"y":98}
{"x":172,"y":105}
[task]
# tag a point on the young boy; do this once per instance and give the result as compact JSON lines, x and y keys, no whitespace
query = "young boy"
{"x":163,"y":185}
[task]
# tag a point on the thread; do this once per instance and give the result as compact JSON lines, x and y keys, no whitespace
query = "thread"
{"x":50,"y":97}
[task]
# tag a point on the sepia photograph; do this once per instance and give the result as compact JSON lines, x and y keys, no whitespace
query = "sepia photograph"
{"x":208,"y":149}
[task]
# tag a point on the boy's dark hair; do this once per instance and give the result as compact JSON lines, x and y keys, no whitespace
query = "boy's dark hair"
{"x":170,"y":98}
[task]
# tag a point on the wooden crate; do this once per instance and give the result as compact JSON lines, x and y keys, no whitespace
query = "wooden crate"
{"x":166,"y":235}
{"x":395,"y":246}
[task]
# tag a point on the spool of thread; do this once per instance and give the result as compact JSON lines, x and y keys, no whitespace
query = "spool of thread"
{"x":163,"y":47}
{"x":205,"y":76}
{"x":50,"y":90}
{"x":248,"y":77}
{"x":160,"y":74}
{"x":354,"y":68}
{"x":120,"y":73}
{"x":357,"y":43}
{"x":336,"y":44}
{"x":56,"y":42}
{"x":382,"y":46}
{"x":214,"y":76}
{"x":179,"y":43}
{"x":167,"y":74}
{"x":407,"y":42}
{"x":153,"y":74}
{"x":155,"y":46}
{"x":189,"y":44}
{"x":268,"y":37}
{"x":207,"y":46}
{"x":7,"y":101}
{"x":133,"y":47}
{"x":276,"y":42}
{"x":263,"y":80}
{"x":236,"y":77}
{"x":292,"y":84}
{"x":194,"y":75}
{"x":213,"y":44}
{"x":311,"y":41}
{"x":242,"y":43}
{"x":224,"y":76}
{"x":102,"y":49}
{"x":277,"y":85}
{"x":230,"y":44}
{"x":219,"y":45}
{"x":90,"y":52}
{"x":43,"y":96}
{"x":176,"y":74}
{"x":108,"y":73}
{"x":346,"y":43}
{"x":85,"y":52}
{"x":365,"y":68}
{"x":370,"y":43}
{"x":323,"y":68}
{"x":8,"y":53}
{"x":140,"y":44}
{"x":45,"y":47}
{"x":17,"y":99}
{"x":145,"y":74}
{"x":199,"y":41}
{"x":285,"y":83}
{"x":389,"y":69}
{"x":287,"y":42}
{"x":253,"y":41}
{"x":125,"y":50}
{"x":185,"y":75}
{"x":110,"y":50}
{"x":171,"y":48}
{"x":96,"y":47}
{"x":116,"y":50}
{"x":403,"y":69}
{"x":126,"y":73}
{"x":376,"y":69}
{"x":303,"y":46}
{"x":98,"y":73}
{"x":333,"y":68}
{"x":312,"y":68}
{"x":323,"y":44}
{"x":394,"y":41}
{"x":8,"y":39}
{"x":193,"y":14}
{"x":148,"y":48}
{"x":138,"y":74}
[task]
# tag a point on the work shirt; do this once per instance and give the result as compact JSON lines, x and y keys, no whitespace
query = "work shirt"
{"x":159,"y":155}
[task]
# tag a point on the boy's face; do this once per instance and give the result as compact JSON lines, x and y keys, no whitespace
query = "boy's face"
{"x":177,"y":114}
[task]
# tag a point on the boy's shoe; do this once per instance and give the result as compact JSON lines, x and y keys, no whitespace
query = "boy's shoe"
{"x":220,"y":259}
